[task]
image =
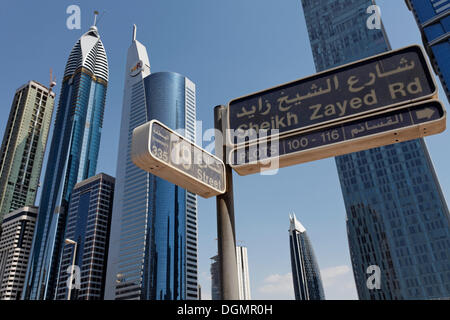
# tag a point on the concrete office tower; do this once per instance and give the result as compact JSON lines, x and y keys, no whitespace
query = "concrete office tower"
{"x":15,"y":245}
{"x":433,"y":18}
{"x":397,"y":217}
{"x":72,"y":158}
{"x":305,"y":270}
{"x":153,"y":246}
{"x":242,"y":273}
{"x":23,"y":146}
{"x":87,"y":234}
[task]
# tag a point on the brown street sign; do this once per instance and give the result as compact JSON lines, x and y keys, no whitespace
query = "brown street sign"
{"x":380,"y":82}
{"x":163,"y":152}
{"x":385,"y":127}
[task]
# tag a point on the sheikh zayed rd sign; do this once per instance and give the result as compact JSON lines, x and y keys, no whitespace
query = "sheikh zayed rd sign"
{"x":373,"y":102}
{"x":366,"y":86}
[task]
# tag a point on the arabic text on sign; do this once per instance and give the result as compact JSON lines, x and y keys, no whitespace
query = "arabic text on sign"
{"x":339,"y":133}
{"x":364,"y":87}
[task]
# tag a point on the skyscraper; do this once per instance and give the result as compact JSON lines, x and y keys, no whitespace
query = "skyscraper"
{"x":23,"y":146}
{"x":242,"y":274}
{"x":305,"y":270}
{"x":153,"y":246}
{"x":215,"y":278}
{"x":433,"y":18}
{"x":397,"y":217}
{"x":88,"y":230}
{"x":72,"y":158}
{"x":15,"y":245}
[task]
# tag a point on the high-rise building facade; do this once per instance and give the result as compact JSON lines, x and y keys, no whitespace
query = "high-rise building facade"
{"x":215,"y":278}
{"x":397,"y":217}
{"x":153,"y":246}
{"x":23,"y":146}
{"x":15,"y":245}
{"x":72,"y":158}
{"x":87,"y":234}
{"x":305,"y":270}
{"x":242,"y":274}
{"x":433,"y":18}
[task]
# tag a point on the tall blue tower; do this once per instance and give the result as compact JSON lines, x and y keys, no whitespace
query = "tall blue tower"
{"x":153,"y":244}
{"x":397,"y":217}
{"x":72,"y":158}
{"x":305,"y":270}
{"x":433,"y":19}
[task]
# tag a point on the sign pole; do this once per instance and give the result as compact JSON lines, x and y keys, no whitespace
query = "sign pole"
{"x":226,"y":235}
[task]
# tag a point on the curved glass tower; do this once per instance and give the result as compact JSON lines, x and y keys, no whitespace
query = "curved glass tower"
{"x":72,"y":158}
{"x":173,"y":244}
{"x":397,"y":216}
{"x":153,"y":245}
{"x":305,"y":270}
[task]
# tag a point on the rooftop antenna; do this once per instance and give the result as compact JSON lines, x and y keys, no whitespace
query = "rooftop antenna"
{"x":134,"y":32}
{"x":96,"y":13}
{"x":52,"y":81}
{"x":95,"y":17}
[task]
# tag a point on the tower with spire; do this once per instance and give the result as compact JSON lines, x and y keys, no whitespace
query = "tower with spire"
{"x":153,"y":245}
{"x":72,"y":158}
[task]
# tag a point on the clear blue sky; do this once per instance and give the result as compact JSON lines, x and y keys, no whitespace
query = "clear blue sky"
{"x":229,"y":49}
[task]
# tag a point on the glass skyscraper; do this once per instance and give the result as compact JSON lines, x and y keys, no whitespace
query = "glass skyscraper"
{"x":243,"y":274}
{"x":23,"y":146}
{"x":153,"y":246}
{"x":305,"y":270}
{"x":72,"y":158}
{"x":88,"y":230}
{"x":397,"y":217}
{"x":433,"y":18}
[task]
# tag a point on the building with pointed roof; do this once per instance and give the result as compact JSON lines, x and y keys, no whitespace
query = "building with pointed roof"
{"x":72,"y":158}
{"x":305,"y":270}
{"x":153,"y":245}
